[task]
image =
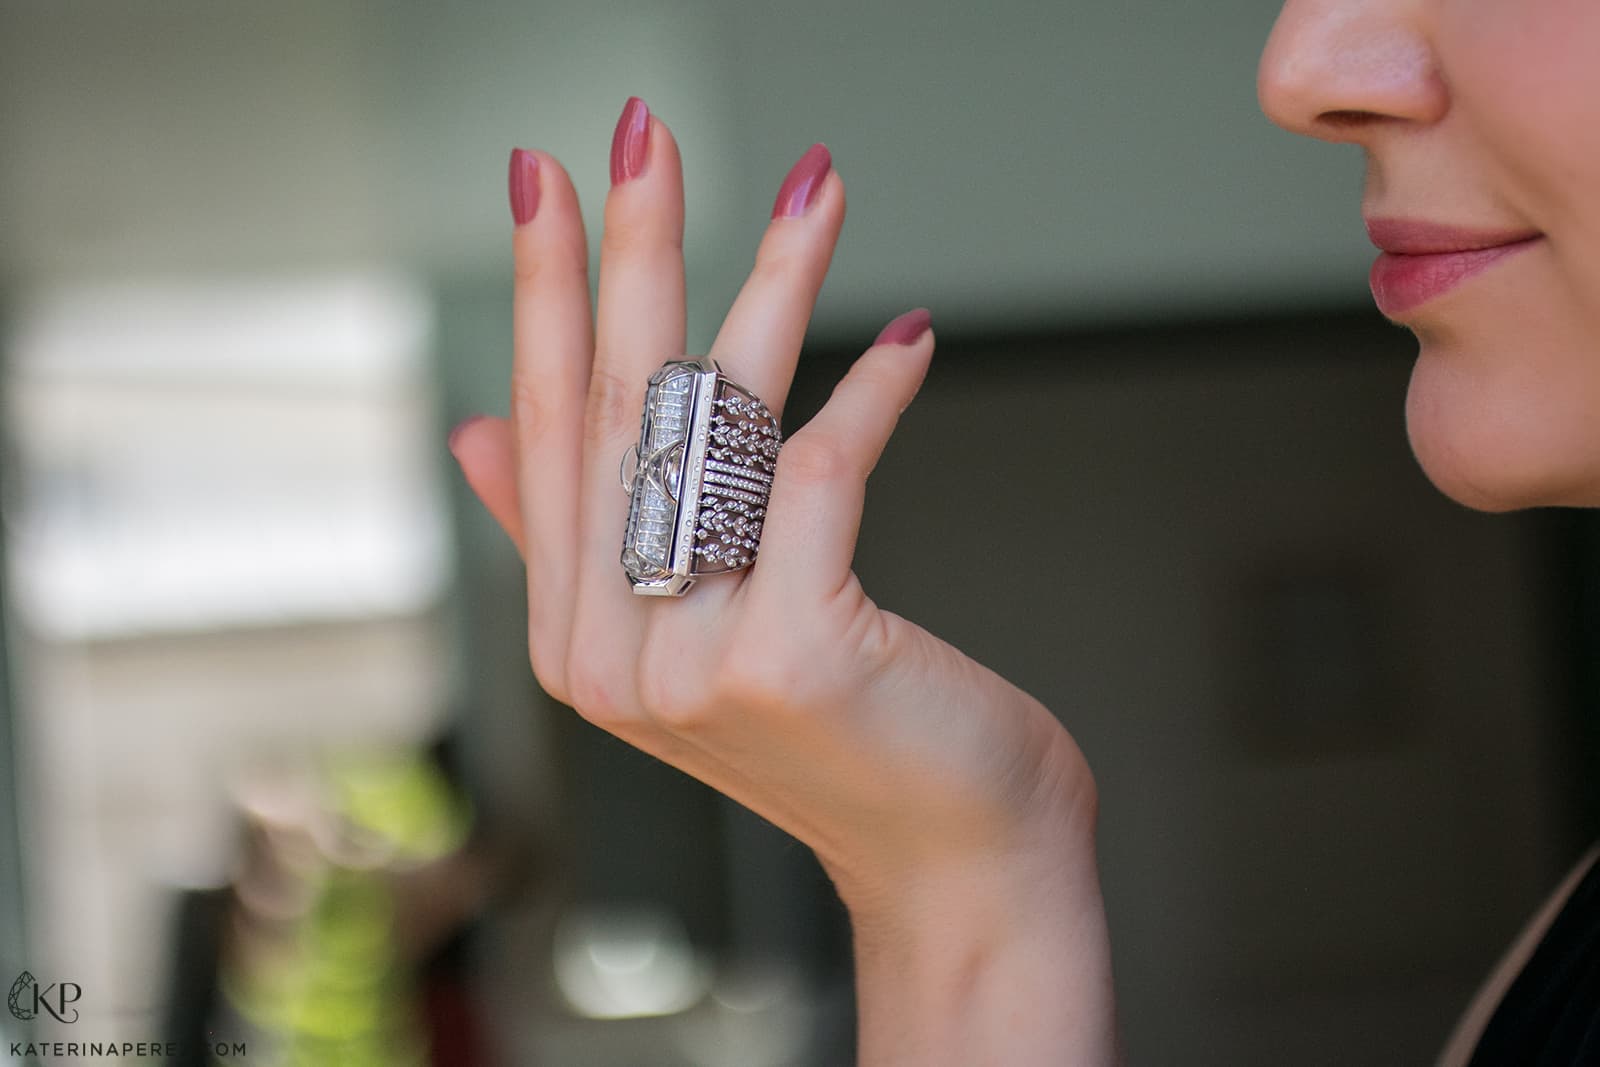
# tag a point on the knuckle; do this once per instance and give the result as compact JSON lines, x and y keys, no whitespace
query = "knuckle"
{"x":560,"y":257}
{"x":593,"y":692}
{"x":813,"y":460}
{"x":875,"y":377}
{"x":606,"y":412}
{"x":674,"y":701}
{"x":626,"y":236}
{"x":533,"y":408}
{"x":671,"y":692}
{"x":775,"y":267}
{"x":549,"y":665}
{"x":763,"y":679}
{"x":619,"y":238}
{"x":882,"y":642}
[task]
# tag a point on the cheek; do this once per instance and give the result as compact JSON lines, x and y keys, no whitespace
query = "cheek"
{"x":1525,"y":75}
{"x":1504,"y":406}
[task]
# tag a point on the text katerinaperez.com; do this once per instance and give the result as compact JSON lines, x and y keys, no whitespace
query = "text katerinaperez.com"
{"x":165,"y":1049}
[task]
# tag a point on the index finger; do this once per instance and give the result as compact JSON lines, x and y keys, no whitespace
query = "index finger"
{"x":553,"y":343}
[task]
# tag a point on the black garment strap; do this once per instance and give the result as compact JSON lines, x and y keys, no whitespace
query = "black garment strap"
{"x":1550,"y":1016}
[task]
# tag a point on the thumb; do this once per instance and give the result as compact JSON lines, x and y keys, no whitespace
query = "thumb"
{"x":485,"y":448}
{"x":819,"y":485}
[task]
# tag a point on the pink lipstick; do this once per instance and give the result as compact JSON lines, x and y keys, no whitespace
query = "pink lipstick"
{"x":1424,"y":260}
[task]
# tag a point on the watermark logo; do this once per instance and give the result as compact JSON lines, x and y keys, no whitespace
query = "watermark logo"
{"x":28,"y":999}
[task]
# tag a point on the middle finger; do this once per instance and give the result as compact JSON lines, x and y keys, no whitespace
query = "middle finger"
{"x":640,"y":325}
{"x":758,"y":347}
{"x":759,"y":343}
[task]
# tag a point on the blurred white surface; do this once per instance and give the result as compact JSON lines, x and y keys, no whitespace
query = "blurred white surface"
{"x":210,"y":453}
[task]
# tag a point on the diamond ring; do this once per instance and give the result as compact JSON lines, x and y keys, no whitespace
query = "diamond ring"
{"x":699,"y":478}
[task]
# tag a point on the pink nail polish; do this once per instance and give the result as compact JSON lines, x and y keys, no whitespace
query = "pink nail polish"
{"x":803,"y":183}
{"x":905,"y":329}
{"x":631,"y":141}
{"x":455,"y":433}
{"x":524,"y":185}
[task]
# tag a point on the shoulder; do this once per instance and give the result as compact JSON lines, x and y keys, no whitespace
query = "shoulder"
{"x":1458,"y":1050}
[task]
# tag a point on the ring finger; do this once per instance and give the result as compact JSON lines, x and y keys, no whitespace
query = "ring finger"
{"x":759,"y":343}
{"x":758,"y":347}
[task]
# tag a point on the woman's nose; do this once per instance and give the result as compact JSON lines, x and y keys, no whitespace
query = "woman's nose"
{"x":1338,"y":70}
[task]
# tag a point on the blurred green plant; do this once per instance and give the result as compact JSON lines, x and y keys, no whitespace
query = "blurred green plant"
{"x":341,"y":993}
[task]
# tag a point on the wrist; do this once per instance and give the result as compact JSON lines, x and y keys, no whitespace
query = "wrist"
{"x":985,"y":966}
{"x":1044,"y":851}
{"x":997,"y":957}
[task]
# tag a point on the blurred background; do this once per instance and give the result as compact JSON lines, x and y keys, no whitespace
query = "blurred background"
{"x":277,"y":784}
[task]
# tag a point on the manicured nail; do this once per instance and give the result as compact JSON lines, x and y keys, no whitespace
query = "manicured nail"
{"x":905,"y":329}
{"x":630,"y":142}
{"x":524,"y":185}
{"x":803,"y":183}
{"x":460,"y":427}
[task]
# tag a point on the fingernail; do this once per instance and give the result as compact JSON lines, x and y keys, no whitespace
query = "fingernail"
{"x":456,"y":431}
{"x":524,"y":185}
{"x":905,"y":329}
{"x":630,"y":142}
{"x":803,"y":183}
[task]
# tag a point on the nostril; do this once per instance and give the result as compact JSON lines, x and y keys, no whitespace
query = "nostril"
{"x":1348,"y":119}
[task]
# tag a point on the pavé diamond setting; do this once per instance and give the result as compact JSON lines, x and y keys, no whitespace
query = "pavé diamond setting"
{"x":699,"y":477}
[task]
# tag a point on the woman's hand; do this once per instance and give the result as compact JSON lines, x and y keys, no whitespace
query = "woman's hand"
{"x":932,"y":790}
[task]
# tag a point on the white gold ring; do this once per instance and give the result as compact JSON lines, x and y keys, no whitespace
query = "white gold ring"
{"x":699,"y":478}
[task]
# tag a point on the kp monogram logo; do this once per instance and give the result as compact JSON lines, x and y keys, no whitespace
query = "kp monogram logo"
{"x":28,"y":998}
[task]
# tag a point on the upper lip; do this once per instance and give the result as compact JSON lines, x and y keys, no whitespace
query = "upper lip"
{"x":1413,"y":237}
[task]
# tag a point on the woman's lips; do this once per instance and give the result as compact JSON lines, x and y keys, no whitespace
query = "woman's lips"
{"x":1422,"y":261}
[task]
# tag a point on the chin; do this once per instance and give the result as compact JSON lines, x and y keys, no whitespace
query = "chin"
{"x":1497,"y":446}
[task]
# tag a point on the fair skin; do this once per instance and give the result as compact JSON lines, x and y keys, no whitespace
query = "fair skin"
{"x":1483,"y":114}
{"x":953,"y":811}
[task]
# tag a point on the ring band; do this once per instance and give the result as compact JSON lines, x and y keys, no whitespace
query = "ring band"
{"x":701,"y":474}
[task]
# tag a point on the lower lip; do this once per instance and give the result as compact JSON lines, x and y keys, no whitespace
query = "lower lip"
{"x":1401,"y":283}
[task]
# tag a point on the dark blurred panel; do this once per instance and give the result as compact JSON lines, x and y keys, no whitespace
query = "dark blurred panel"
{"x":1325,"y":705}
{"x":1575,"y":581}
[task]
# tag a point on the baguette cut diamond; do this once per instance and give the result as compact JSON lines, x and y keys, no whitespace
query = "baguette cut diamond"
{"x":664,"y":431}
